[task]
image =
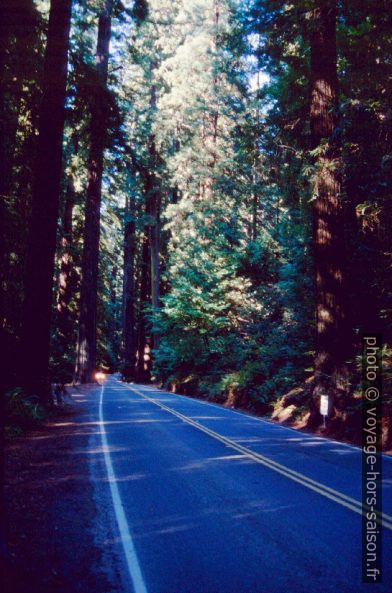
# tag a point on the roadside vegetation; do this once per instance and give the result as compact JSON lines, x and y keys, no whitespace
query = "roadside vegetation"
{"x":197,"y":193}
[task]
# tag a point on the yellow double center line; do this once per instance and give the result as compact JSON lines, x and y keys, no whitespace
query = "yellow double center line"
{"x":342,"y":499}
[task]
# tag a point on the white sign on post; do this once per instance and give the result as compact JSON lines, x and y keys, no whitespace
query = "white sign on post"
{"x":324,"y":407}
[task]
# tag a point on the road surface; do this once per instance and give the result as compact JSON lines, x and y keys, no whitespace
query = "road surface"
{"x":209,"y":500}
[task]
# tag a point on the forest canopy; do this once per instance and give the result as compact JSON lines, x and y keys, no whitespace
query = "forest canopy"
{"x":197,"y":193}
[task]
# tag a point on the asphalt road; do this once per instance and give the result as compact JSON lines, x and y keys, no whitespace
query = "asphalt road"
{"x":209,"y":500}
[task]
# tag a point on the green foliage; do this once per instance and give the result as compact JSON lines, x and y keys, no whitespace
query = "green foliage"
{"x":225,"y":105}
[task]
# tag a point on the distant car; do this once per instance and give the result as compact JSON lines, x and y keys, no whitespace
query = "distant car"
{"x":100,"y":377}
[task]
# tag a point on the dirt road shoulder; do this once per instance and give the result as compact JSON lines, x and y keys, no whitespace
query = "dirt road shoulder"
{"x":61,"y":538}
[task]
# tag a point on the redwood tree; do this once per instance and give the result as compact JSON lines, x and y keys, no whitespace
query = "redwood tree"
{"x":87,"y":333}
{"x":328,"y":229}
{"x":153,"y":206}
{"x":143,"y":364}
{"x":128,"y":319}
{"x":45,"y":205}
{"x":66,"y":272}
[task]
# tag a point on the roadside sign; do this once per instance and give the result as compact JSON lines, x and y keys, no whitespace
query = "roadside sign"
{"x":324,"y":405}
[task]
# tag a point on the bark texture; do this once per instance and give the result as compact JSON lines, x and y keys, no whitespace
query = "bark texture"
{"x":45,"y":206}
{"x":143,"y":362}
{"x":153,"y":209}
{"x":87,"y":332}
{"x":65,"y":284}
{"x":328,"y":229}
{"x":128,"y":319}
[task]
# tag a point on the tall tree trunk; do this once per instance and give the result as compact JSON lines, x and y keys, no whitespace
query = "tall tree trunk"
{"x":256,"y":162}
{"x":113,"y":318}
{"x":210,"y":124}
{"x":154,"y":254}
{"x":45,"y":206}
{"x":66,"y":269}
{"x":4,"y":160}
{"x":153,"y":209}
{"x":87,"y":334}
{"x":128,"y":319}
{"x":332,"y":341}
{"x":143,"y":364}
{"x":5,"y":157}
{"x":255,"y":201}
{"x":153,"y":205}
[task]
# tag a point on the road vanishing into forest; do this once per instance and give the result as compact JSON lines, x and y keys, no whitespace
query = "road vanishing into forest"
{"x":209,"y":500}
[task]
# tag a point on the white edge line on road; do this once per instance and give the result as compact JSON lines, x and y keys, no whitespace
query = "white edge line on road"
{"x":126,"y":538}
{"x":326,"y":491}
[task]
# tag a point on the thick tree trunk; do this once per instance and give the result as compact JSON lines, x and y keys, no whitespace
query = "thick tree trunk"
{"x":5,"y":159}
{"x":4,"y":40}
{"x":128,"y":319}
{"x":64,"y":327}
{"x":332,"y":341}
{"x":87,"y":334}
{"x":45,"y":206}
